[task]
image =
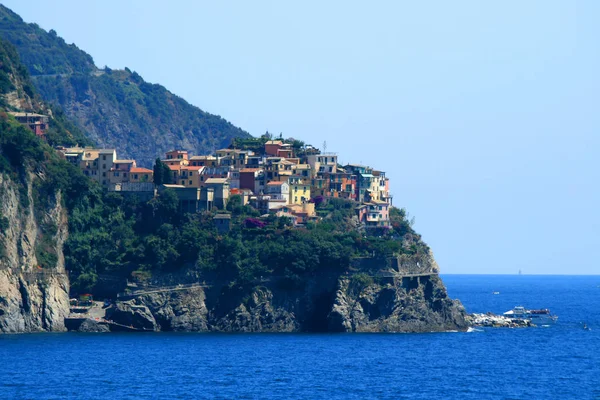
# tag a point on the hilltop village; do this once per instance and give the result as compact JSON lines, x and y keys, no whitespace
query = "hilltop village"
{"x":280,"y":177}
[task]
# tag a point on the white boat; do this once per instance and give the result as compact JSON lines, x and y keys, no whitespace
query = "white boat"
{"x":537,"y":317}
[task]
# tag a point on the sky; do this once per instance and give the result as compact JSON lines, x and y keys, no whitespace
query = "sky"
{"x":483,"y":114}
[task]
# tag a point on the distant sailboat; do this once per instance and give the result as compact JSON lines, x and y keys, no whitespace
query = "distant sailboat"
{"x":519,"y":272}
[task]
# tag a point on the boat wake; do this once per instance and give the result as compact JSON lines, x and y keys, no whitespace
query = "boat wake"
{"x":471,"y":329}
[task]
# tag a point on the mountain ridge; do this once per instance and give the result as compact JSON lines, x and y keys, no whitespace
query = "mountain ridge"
{"x":116,"y":108}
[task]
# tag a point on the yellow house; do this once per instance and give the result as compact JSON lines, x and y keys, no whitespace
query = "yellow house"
{"x":299,"y":190}
{"x":189,"y":176}
{"x":141,"y":175}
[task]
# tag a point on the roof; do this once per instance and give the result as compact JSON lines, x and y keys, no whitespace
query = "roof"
{"x":173,"y":186}
{"x":203,"y":158}
{"x":106,"y":151}
{"x":174,"y":167}
{"x":275,"y":183}
{"x":191,"y":168}
{"x":366,"y":175}
{"x":232,"y":151}
{"x":301,"y":166}
{"x":25,"y":114}
{"x":177,"y":151}
{"x":123,"y":161}
{"x":222,"y":216}
{"x":356,"y":165}
{"x":216,"y":180}
{"x":274,"y":142}
{"x":141,"y":170}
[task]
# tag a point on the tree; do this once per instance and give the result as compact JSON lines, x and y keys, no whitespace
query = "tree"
{"x":162,"y":173}
{"x":158,"y":171}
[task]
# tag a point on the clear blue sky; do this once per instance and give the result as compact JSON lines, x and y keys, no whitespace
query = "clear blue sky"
{"x":485,"y":116}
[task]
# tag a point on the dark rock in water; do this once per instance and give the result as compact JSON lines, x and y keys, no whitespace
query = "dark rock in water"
{"x":130,"y":314}
{"x":89,"y":325}
{"x":178,"y":310}
{"x":418,"y":305}
{"x":258,"y":313}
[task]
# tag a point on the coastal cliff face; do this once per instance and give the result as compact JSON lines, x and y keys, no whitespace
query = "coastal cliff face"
{"x":32,"y":297}
{"x":393,"y":300}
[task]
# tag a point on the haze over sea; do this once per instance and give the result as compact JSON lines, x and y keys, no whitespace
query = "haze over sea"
{"x":559,"y":362}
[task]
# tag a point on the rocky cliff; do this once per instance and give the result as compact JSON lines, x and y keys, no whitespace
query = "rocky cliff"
{"x":386,"y":300}
{"x":33,"y":297}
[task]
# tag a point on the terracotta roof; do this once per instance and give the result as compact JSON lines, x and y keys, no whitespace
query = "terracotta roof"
{"x":250,"y":169}
{"x":174,"y":167}
{"x":275,"y":183}
{"x":141,"y":170}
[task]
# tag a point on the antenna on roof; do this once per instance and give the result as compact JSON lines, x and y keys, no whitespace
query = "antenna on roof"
{"x":325,"y":146}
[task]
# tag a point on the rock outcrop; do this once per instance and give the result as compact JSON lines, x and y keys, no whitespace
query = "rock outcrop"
{"x":33,"y":297}
{"x":414,"y":304}
{"x":382,"y":302}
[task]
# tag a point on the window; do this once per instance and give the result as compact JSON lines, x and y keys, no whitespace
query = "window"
{"x":103,"y":166}
{"x":124,"y":174}
{"x":190,"y":182}
{"x":104,"y":174}
{"x":116,"y":174}
{"x":135,"y":176}
{"x":104,"y":158}
{"x":183,"y":183}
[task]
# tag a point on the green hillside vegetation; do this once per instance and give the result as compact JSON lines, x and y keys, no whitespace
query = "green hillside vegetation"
{"x":14,"y":77}
{"x":43,"y":52}
{"x":115,"y":108}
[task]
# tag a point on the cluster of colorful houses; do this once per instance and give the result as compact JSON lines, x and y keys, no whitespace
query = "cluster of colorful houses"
{"x":275,"y":181}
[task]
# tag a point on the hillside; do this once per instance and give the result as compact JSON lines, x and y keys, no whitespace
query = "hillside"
{"x":35,"y":187}
{"x":116,"y":108}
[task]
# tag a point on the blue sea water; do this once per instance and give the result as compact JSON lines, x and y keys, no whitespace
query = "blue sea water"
{"x":560,"y":362}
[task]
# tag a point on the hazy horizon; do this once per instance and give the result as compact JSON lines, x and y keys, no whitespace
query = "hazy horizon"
{"x":483,"y":115}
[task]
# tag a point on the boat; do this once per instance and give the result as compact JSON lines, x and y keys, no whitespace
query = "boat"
{"x":537,"y":317}
{"x":496,"y":293}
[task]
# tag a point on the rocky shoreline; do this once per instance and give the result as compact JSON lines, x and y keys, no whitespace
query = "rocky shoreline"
{"x":490,"y":320}
{"x":401,"y":305}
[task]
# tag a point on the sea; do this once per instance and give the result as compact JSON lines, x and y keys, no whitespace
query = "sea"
{"x":558,"y":362}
